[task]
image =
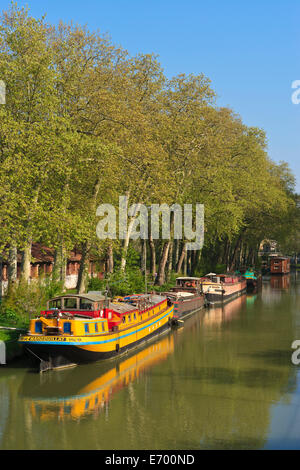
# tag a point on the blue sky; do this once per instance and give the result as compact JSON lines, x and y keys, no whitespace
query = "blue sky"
{"x":249,"y":49}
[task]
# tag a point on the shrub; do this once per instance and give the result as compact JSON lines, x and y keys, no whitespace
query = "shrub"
{"x":120,"y":283}
{"x":8,"y":316}
{"x":26,"y":300}
{"x":130,"y":282}
{"x":220,"y":269}
{"x":97,"y":284}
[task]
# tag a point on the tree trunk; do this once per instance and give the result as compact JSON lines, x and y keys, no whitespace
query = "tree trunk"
{"x":249,"y":257}
{"x":12,"y":265}
{"x":170,"y":261}
{"x":235,"y":253}
{"x":59,"y":267}
{"x":162,"y":265}
{"x":226,"y":254}
{"x":110,"y":259}
{"x":153,"y":257}
{"x":185,"y":263}
{"x":189,"y":262}
{"x":126,"y":244}
{"x":196,"y":257}
{"x":144,"y":256}
{"x":83,"y":270}
{"x":176,"y":252}
{"x":26,"y":263}
{"x":181,"y":258}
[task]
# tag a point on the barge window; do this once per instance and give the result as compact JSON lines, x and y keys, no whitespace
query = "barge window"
{"x":70,"y":303}
{"x":55,"y":304}
{"x":67,"y":409}
{"x":103,"y":326}
{"x":38,"y":327}
{"x":67,"y":327}
{"x":86,"y":304}
{"x":124,"y":319}
{"x":86,"y":328}
{"x":96,"y":327}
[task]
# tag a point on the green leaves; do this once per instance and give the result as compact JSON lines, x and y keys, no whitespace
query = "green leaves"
{"x":85,"y":123}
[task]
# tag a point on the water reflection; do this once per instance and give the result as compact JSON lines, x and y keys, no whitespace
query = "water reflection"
{"x":225,"y":313}
{"x":275,"y":288}
{"x":224,"y":381}
{"x":4,"y":407}
{"x":92,"y":391}
{"x":280,"y":281}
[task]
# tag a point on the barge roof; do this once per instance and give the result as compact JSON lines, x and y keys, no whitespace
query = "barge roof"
{"x":89,"y":296}
{"x":188,"y":278}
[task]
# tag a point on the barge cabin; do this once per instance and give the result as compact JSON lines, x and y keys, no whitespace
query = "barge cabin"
{"x":280,"y":265}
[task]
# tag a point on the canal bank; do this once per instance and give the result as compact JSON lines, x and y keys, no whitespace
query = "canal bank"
{"x":224,"y":381}
{"x":10,"y":349}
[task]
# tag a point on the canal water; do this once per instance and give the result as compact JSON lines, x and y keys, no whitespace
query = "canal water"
{"x":224,"y":381}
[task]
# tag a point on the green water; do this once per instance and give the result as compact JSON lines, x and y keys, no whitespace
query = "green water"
{"x":224,"y":381}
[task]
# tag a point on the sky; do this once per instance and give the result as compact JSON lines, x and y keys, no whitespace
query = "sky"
{"x":249,"y":49}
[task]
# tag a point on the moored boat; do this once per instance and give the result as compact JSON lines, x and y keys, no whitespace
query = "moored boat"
{"x":280,"y":265}
{"x":265,"y":268}
{"x":78,"y":328}
{"x":221,"y":288}
{"x":254,"y":280}
{"x":186,"y":296}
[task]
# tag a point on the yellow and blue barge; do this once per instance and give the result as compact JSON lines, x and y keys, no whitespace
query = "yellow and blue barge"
{"x":79,"y":328}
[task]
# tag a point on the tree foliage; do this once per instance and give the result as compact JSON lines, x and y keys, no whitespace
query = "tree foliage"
{"x":84,"y":122}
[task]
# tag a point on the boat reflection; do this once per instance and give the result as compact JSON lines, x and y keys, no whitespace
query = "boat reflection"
{"x":251,"y":299}
{"x":91,"y":396}
{"x":280,"y":281}
{"x":225,"y":313}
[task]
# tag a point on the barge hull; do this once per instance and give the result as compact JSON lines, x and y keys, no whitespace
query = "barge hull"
{"x":219,"y":299}
{"x":254,"y":284}
{"x":57,"y":357}
{"x":187,"y":307}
